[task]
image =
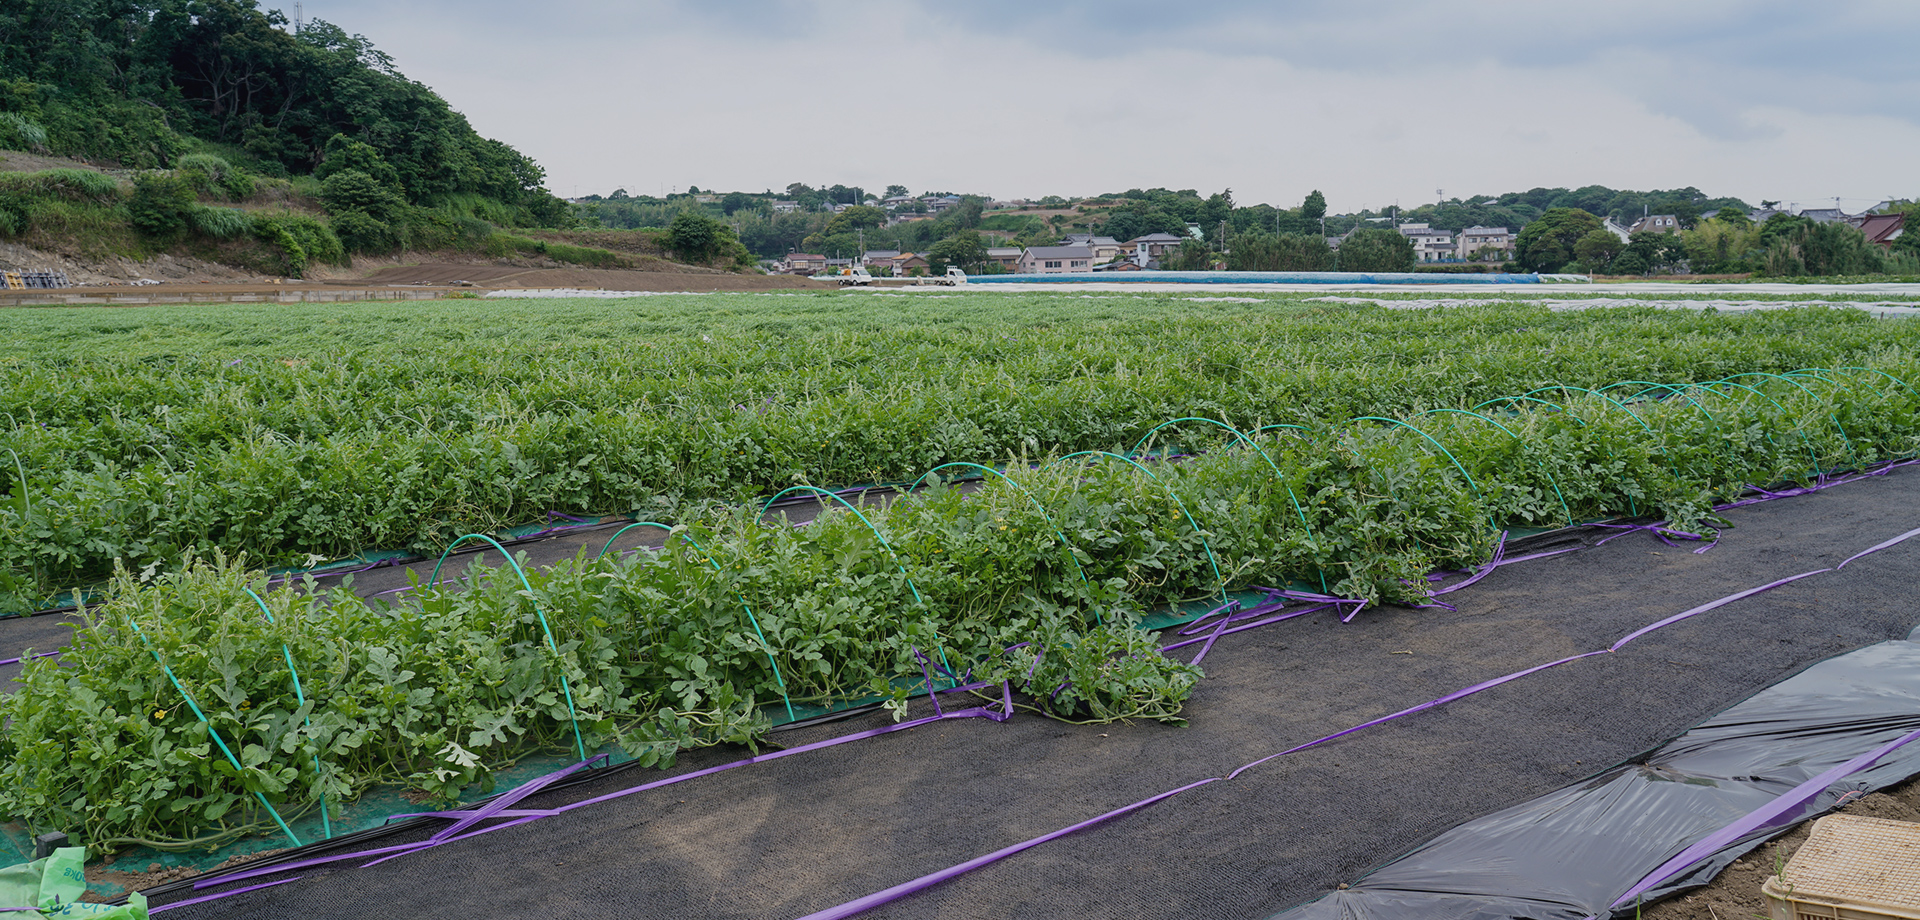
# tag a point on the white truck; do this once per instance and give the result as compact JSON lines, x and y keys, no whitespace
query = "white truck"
{"x":856,"y":276}
{"x":953,"y":276}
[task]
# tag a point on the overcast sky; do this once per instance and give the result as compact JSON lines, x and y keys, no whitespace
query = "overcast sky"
{"x":1370,"y":101}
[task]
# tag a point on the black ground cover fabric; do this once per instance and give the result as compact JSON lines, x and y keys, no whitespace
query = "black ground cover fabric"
{"x":786,"y":838}
{"x":1573,"y":852}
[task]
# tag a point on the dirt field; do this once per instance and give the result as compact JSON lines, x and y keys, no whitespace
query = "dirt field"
{"x":507,"y":277}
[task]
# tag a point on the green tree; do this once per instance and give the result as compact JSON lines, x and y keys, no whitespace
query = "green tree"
{"x":1908,"y":242}
{"x":734,"y":202}
{"x":1546,"y":245}
{"x":1817,"y":249}
{"x":1191,"y":256}
{"x":1315,"y":207}
{"x":353,"y":190}
{"x":1598,"y":249}
{"x":1286,"y":252}
{"x":1722,"y":245}
{"x":857,"y":217}
{"x":1376,"y":249}
{"x":896,"y":191}
{"x":963,"y":249}
{"x":696,"y":237}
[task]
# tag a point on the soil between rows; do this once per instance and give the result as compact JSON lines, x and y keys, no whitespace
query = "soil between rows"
{"x":784,"y":838}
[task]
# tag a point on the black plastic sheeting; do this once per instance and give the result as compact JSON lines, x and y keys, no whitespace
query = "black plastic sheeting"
{"x":1570,"y":854}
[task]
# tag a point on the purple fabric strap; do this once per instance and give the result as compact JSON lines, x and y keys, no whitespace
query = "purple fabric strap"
{"x":931,"y":879}
{"x":215,"y":897}
{"x":1764,"y":816}
{"x":382,"y":853}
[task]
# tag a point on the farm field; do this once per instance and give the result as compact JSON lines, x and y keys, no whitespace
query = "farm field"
{"x":1125,"y":456}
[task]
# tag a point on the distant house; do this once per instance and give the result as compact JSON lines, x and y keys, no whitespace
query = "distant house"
{"x":908,"y":263}
{"x":1881,"y":228}
{"x":1124,"y":265}
{"x":1429,"y":244}
{"x":1007,"y":257}
{"x":1655,"y":223}
{"x":1610,"y":226}
{"x":1475,"y":240}
{"x":1823,"y":215}
{"x":1105,"y":248}
{"x":785,"y":207}
{"x":1155,"y":244}
{"x":803,"y":262}
{"x":896,"y":201}
{"x":879,"y":256}
{"x":1050,"y":260}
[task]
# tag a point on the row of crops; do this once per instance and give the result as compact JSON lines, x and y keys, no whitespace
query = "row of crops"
{"x":199,"y":705}
{"x":290,"y":433}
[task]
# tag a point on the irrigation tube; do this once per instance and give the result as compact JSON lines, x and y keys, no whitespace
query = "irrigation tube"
{"x":521,"y":817}
{"x":1757,"y":819}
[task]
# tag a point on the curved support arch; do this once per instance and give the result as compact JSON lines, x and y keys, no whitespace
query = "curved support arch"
{"x":299,"y":698}
{"x":1882,"y":373}
{"x":1670,"y":388}
{"x":1814,"y":374}
{"x":1035,"y":502}
{"x":1573,"y":389}
{"x":816,"y":490}
{"x":213,"y":733}
{"x":765,"y":646}
{"x":1218,"y":578}
{"x":21,"y":469}
{"x":1622,"y":407}
{"x":1277,"y":475}
{"x":1812,"y":455}
{"x":1543,"y":467}
{"x":1552,"y":405}
{"x":579,"y":744}
{"x":1430,"y":440}
{"x":1796,"y":385}
{"x":1296,"y":429}
{"x":1819,"y":373}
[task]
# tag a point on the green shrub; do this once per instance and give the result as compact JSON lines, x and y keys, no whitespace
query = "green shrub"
{"x":354,"y":190}
{"x":161,"y":204}
{"x":301,"y":240}
{"x":28,"y":198}
{"x":213,"y":175}
{"x":17,"y":132}
{"x":220,"y":223}
{"x":359,"y":231}
{"x":1823,"y":249}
